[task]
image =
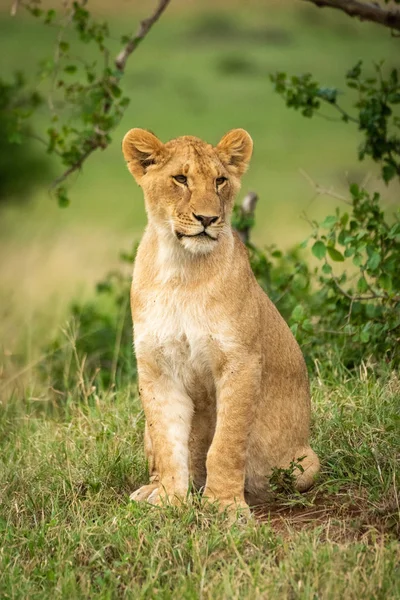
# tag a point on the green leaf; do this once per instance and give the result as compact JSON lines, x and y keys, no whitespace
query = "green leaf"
{"x":358,"y":260}
{"x":388,"y":172}
{"x":124,"y":102}
{"x":329,"y":222}
{"x":116,"y":91}
{"x":64,"y":46}
{"x":304,"y":243}
{"x":335,"y":254}
{"x":70,"y":69}
{"x":362,"y":285}
{"x":298,"y":313}
{"x":374,"y":261}
{"x":15,"y":137}
{"x":385,"y":282}
{"x":355,"y":72}
{"x":307,"y":326}
{"x":299,"y":282}
{"x":326,"y":268}
{"x":354,"y":190}
{"x":63,"y":200}
{"x":50,"y":16}
{"x":319,"y":249}
{"x":364,"y":336}
{"x":349,"y":252}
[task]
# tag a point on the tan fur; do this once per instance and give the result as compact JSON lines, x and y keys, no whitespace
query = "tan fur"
{"x":222,"y":380}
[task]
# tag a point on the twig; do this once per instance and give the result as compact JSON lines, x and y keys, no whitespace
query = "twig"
{"x":364,"y":11}
{"x":143,"y":30}
{"x":57,"y":57}
{"x":248,"y":208}
{"x":345,"y":114}
{"x":77,"y":165}
{"x":120,"y":63}
{"x":319,"y":189}
{"x":373,"y":296}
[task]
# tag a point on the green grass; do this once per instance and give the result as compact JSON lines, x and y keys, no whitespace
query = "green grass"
{"x":68,"y":465}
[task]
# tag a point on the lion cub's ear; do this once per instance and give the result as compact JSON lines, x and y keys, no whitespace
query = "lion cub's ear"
{"x":141,"y":148}
{"x":235,"y":149}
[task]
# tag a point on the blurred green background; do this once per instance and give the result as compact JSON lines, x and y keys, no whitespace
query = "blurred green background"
{"x":203,"y":69}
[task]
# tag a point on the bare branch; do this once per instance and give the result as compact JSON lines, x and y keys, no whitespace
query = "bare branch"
{"x":320,"y":190}
{"x":373,"y":296}
{"x":365,"y":11}
{"x":143,"y":30}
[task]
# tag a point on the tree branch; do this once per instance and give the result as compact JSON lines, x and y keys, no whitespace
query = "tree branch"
{"x":143,"y":30}
{"x":364,"y":11}
{"x":77,"y":165}
{"x":320,"y":190}
{"x":120,"y":63}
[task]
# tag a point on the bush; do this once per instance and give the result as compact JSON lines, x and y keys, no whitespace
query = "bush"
{"x":96,"y":346}
{"x":349,"y":307}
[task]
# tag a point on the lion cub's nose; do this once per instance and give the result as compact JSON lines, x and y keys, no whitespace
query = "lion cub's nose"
{"x":205,"y":221}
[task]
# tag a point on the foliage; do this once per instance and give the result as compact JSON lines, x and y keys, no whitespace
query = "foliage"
{"x":96,"y":346}
{"x":16,"y":105}
{"x":377,"y":101}
{"x":282,"y":481}
{"x":85,"y":99}
{"x":353,"y":311}
{"x":349,"y":307}
{"x":358,"y":308}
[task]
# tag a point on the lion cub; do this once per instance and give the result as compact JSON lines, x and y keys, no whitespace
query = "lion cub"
{"x":222,"y":380}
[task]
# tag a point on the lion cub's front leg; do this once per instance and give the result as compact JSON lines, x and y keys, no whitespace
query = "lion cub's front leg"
{"x":237,"y":398}
{"x":168,"y":414}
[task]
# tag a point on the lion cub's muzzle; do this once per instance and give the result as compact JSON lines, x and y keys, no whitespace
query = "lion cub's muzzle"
{"x":207,"y":231}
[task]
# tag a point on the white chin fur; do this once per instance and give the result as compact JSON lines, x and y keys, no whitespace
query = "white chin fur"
{"x":198,"y":245}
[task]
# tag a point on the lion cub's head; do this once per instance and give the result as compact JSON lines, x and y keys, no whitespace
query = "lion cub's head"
{"x":189,"y":185}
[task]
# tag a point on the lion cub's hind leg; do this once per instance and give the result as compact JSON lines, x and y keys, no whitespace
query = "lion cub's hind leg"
{"x":258,"y":490}
{"x":305,"y":476}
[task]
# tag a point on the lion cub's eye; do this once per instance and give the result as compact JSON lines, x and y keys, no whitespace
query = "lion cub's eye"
{"x":180,"y":178}
{"x":220,"y":180}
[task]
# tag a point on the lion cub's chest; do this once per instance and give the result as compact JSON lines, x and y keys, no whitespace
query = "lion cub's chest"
{"x":176,"y":332}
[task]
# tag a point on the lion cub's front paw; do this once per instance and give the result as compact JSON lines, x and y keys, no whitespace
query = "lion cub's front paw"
{"x":155,"y":494}
{"x":144,"y":493}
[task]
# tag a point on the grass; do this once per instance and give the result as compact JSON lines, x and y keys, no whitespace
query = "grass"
{"x":68,"y":465}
